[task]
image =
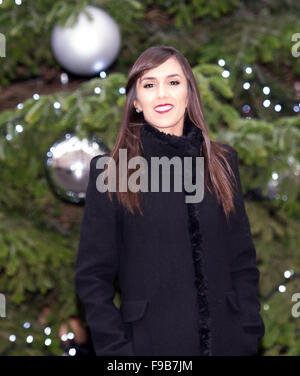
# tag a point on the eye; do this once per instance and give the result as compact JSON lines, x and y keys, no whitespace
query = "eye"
{"x":145,"y":86}
{"x":177,"y":83}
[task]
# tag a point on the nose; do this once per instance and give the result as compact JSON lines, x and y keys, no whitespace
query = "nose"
{"x":161,"y":90}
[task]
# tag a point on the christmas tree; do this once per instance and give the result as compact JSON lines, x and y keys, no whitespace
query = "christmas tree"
{"x":245,"y":58}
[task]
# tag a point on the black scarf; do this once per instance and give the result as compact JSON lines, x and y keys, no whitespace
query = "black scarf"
{"x":157,"y":143}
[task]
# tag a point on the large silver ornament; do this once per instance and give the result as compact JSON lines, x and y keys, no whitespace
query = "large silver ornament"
{"x":68,"y":163}
{"x":90,"y":45}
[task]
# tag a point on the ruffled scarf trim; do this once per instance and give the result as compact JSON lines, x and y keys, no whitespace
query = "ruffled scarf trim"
{"x":189,"y":144}
{"x":158,"y":143}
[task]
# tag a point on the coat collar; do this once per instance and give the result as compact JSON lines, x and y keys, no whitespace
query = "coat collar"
{"x":157,"y":143}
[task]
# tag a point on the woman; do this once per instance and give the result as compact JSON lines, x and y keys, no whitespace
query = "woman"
{"x":187,"y":270}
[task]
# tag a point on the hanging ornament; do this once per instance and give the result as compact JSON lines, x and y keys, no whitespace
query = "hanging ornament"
{"x":68,"y":163}
{"x":89,"y":46}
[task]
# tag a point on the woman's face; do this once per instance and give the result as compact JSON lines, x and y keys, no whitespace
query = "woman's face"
{"x":165,"y":84}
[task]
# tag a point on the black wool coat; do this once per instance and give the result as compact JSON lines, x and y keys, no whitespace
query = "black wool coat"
{"x":188,"y":279}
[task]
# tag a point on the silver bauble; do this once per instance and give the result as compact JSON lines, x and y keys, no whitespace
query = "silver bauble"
{"x":90,"y":45}
{"x":68,"y":163}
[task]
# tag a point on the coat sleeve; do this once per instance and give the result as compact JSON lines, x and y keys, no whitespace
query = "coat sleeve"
{"x":96,"y":269}
{"x":244,"y":272}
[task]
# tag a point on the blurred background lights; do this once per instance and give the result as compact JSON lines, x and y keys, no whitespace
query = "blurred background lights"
{"x":36,"y":96}
{"x":12,"y":338}
{"x":248,"y":70}
{"x":246,"y":108}
{"x":20,"y":106}
{"x":70,"y":335}
{"x":72,"y":351}
{"x":64,"y":78}
{"x":246,"y":85}
{"x":281,"y":288}
{"x":277,"y":107}
{"x":57,"y":105}
{"x":287,"y":274}
{"x":18,"y":2}
{"x":225,"y":73}
{"x":266,"y":90}
{"x":64,"y":337}
{"x":221,"y":62}
{"x":102,"y":74}
{"x":29,"y":339}
{"x":122,"y":90}
{"x":266,"y":103}
{"x":274,"y":175}
{"x":47,"y":330}
{"x":19,"y":128}
{"x":48,"y":341}
{"x":296,"y":108}
{"x":26,"y":325}
{"x":8,"y":137}
{"x":266,"y":307}
{"x":97,"y":90}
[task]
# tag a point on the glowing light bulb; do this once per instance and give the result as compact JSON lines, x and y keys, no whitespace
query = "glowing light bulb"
{"x":225,"y":73}
{"x":246,"y":85}
{"x":72,"y":351}
{"x":281,"y":288}
{"x":29,"y":339}
{"x":12,"y":338}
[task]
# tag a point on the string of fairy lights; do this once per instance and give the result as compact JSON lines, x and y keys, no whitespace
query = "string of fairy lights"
{"x":288,"y":276}
{"x":266,"y":90}
{"x":68,"y":339}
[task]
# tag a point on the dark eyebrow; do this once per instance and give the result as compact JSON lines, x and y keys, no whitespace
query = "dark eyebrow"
{"x":153,"y":78}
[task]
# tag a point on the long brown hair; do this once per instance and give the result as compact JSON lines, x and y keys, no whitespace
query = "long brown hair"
{"x":218,"y":173}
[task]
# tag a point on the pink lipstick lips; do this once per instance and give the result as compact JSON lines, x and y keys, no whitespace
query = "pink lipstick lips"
{"x":163,"y":108}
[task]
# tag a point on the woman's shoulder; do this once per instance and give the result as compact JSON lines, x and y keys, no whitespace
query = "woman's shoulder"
{"x":97,"y":167}
{"x":94,"y":160}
